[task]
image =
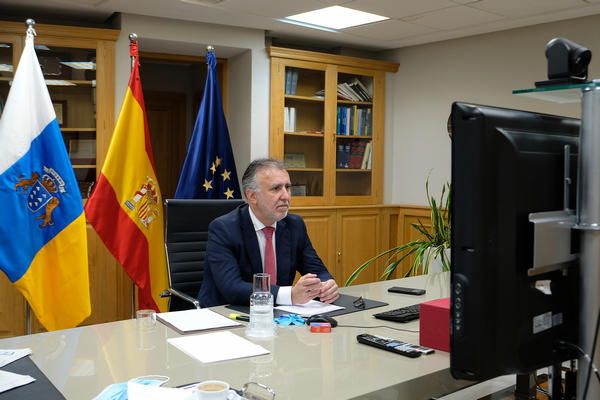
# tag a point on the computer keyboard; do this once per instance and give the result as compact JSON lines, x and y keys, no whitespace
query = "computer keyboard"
{"x":403,"y":314}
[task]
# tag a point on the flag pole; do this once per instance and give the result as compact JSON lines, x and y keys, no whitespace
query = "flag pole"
{"x":30,"y":23}
{"x":133,"y":53}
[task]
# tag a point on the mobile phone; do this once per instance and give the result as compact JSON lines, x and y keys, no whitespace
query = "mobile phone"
{"x":406,"y":290}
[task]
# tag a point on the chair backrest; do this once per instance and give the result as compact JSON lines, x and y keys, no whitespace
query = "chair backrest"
{"x":186,"y":235}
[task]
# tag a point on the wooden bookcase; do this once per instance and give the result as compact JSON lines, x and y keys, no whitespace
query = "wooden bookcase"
{"x":83,"y":95}
{"x":332,"y":146}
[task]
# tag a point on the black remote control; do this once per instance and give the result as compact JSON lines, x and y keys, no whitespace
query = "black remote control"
{"x":393,"y":345}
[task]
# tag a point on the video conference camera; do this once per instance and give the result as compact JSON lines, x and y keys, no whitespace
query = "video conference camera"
{"x":567,"y":62}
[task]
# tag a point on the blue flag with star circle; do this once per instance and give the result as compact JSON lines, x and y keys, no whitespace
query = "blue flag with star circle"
{"x":209,"y":168}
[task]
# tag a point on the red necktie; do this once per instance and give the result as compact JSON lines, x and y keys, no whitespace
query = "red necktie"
{"x":270,"y":254}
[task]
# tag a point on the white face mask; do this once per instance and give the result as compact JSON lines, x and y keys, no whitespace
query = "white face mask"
{"x":118,"y":391}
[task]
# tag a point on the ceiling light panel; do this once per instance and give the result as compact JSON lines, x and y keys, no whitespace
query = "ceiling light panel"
{"x":337,"y":17}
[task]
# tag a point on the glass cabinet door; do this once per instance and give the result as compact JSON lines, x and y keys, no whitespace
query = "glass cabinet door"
{"x":303,"y":129}
{"x":354,"y":134}
{"x":10,"y":49}
{"x":70,"y":74}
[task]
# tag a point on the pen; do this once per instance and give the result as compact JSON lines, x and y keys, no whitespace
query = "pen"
{"x":239,"y":317}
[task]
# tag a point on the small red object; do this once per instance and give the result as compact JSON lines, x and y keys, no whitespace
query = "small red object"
{"x":320,"y":327}
{"x":434,"y":317}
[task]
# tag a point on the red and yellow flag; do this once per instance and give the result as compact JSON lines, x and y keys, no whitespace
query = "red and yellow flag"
{"x":125,"y":207}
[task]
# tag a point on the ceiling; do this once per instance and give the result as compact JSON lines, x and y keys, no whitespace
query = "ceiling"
{"x":412,"y":21}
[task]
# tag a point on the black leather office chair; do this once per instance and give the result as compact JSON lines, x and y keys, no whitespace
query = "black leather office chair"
{"x":186,"y":235}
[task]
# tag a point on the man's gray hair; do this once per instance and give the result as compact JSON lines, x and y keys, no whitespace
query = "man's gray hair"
{"x":249,"y":178}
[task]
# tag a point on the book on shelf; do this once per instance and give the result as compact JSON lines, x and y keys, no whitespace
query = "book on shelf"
{"x":292,"y":119}
{"x":291,"y":81}
{"x":289,"y":119}
{"x":354,"y":90}
{"x":346,"y":158}
{"x":294,"y":84}
{"x":339,"y":156}
{"x":294,"y":160}
{"x":367,"y":156}
{"x":298,"y":190}
{"x":353,"y":120}
{"x":357,"y":152}
{"x":288,"y":81}
{"x":360,"y":89}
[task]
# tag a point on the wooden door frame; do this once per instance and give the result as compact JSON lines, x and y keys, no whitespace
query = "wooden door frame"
{"x":183,"y":58}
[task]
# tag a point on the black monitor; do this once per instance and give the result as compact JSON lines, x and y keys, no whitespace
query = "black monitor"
{"x":507,"y":164}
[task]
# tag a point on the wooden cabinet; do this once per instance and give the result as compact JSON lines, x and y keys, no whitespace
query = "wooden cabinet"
{"x":327,"y":125}
{"x":78,"y":65}
{"x":347,"y":236}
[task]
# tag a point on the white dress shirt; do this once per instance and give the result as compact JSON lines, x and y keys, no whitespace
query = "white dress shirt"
{"x":284,"y":296}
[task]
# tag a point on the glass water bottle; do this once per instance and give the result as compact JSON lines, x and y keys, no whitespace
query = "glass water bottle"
{"x":261,"y":308}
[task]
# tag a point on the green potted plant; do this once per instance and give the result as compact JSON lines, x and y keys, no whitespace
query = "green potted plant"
{"x":432,"y":245}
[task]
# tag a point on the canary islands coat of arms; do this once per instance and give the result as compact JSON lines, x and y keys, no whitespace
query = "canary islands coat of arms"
{"x":42,"y":193}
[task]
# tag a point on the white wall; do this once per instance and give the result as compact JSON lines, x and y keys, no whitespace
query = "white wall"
{"x":248,"y":74}
{"x":239,"y":78}
{"x":480,"y":69}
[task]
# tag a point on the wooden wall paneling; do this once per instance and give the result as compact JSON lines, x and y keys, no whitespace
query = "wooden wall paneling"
{"x":12,"y":309}
{"x":320,"y":225}
{"x":276,"y":136}
{"x":105,"y":100}
{"x":329,"y":174}
{"x":388,"y":239}
{"x":358,"y":239}
{"x":406,"y":232}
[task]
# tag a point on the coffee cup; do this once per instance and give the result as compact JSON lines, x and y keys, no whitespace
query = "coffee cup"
{"x":212,"y":390}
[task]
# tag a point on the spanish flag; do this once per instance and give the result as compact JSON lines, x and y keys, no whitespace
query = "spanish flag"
{"x":125,"y":207}
{"x":43,"y":243}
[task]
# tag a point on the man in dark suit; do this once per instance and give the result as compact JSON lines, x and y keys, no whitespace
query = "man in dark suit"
{"x":241,"y":244}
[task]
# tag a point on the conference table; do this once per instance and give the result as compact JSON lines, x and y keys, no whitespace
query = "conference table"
{"x":82,"y":361}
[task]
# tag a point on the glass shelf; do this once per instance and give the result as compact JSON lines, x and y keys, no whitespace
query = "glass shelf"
{"x":561,"y":94}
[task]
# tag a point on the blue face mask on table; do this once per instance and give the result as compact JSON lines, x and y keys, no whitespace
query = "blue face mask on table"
{"x":118,"y":391}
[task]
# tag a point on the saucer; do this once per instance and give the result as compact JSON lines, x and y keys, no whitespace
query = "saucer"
{"x":234,"y":396}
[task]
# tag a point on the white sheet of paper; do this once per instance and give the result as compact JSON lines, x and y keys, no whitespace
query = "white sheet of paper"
{"x":217,"y":346}
{"x":196,"y":320}
{"x":9,"y":380}
{"x":9,"y":355}
{"x":311,"y":308}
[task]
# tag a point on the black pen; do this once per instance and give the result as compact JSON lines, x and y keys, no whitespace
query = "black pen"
{"x":239,"y":317}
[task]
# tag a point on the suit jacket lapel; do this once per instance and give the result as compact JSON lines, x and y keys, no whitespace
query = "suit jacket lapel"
{"x":250,"y":241}
{"x":283,"y":253}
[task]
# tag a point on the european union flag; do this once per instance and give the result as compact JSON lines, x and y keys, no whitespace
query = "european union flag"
{"x":209,"y":168}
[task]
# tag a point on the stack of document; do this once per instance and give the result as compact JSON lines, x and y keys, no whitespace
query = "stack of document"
{"x":217,"y":346}
{"x":10,"y":380}
{"x":8,"y":356}
{"x":195,"y":320}
{"x":313,"y":307}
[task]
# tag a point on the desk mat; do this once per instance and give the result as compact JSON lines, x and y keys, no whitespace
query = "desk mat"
{"x":345,"y":301}
{"x":41,"y":388}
